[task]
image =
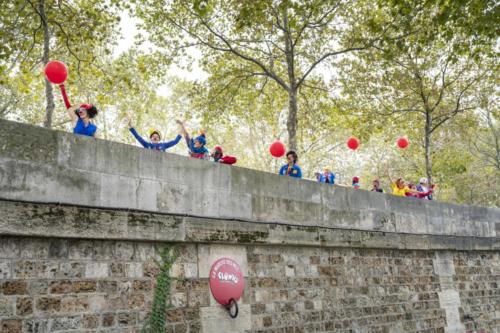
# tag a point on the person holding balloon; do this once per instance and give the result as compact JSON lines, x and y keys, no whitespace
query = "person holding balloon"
{"x":56,"y":72}
{"x":154,"y":137}
{"x":81,"y":119}
{"x":291,"y":168}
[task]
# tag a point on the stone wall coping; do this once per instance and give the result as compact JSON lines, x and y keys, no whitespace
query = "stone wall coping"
{"x":68,"y":221}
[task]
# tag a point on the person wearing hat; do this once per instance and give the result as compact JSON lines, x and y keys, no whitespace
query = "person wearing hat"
{"x":217,"y":155}
{"x":291,"y":168}
{"x":155,"y":137}
{"x":423,"y":187}
{"x":196,"y":146}
{"x":80,"y":116}
{"x":355,"y":182}
{"x":327,"y":176}
{"x":81,"y":119}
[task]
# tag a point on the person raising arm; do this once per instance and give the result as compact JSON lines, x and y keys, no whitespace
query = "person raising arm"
{"x":154,"y":137}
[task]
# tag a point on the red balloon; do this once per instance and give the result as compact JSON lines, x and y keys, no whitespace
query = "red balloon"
{"x":353,"y":143}
{"x":277,"y":149}
{"x":403,"y":143}
{"x":56,"y":72}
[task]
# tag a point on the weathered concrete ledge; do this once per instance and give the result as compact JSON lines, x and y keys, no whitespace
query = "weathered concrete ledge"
{"x":40,"y":165}
{"x":63,"y":221}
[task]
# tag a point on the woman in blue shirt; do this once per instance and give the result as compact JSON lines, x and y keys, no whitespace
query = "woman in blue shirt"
{"x":155,"y":137}
{"x":291,"y":168}
{"x":81,"y":119}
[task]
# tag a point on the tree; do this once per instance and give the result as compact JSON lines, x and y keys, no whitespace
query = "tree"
{"x":33,"y":31}
{"x":426,"y":79}
{"x":282,"y":41}
{"x":485,"y":142}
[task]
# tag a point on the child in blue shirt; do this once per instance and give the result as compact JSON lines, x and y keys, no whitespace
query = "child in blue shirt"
{"x":155,"y":137}
{"x":291,"y":168}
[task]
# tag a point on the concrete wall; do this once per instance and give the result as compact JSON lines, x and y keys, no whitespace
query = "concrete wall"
{"x":42,"y":165}
{"x":82,"y":220}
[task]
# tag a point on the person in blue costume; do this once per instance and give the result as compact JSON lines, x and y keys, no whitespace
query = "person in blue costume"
{"x":81,"y":119}
{"x":154,"y":137}
{"x":196,"y":146}
{"x":327,"y":177}
{"x":291,"y":168}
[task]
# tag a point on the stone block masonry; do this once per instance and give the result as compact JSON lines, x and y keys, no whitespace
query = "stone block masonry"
{"x":107,"y":286}
{"x":83,"y":220}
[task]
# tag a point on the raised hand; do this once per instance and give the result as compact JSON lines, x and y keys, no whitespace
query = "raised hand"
{"x":129,"y":121}
{"x":183,"y":128}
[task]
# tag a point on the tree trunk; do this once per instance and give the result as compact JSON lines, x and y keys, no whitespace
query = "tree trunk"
{"x":496,"y":140}
{"x":49,"y":96}
{"x":291,"y":124}
{"x":427,"y":146}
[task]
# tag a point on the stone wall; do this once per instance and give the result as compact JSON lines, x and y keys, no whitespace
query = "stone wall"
{"x":78,"y":269}
{"x":82,"y":221}
{"x":71,"y":285}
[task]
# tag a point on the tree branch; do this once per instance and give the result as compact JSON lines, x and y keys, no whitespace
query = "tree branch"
{"x":325,"y":56}
{"x":229,"y":47}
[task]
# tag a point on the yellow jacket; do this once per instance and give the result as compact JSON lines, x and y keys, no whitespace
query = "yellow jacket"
{"x":399,"y":191}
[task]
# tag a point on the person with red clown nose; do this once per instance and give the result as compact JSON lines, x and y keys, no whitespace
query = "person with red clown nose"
{"x":81,"y":119}
{"x":80,"y":116}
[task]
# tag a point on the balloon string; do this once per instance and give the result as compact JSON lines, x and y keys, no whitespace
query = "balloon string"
{"x":65,"y":96}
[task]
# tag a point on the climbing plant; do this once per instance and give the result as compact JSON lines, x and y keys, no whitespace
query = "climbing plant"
{"x":157,"y":318}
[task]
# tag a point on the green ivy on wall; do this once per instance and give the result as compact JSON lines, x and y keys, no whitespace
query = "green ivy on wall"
{"x":156,"y":321}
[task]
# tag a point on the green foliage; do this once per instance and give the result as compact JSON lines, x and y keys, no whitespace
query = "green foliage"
{"x":157,"y":318}
{"x":415,"y":57}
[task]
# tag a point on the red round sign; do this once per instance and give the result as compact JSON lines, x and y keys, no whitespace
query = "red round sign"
{"x":226,"y":281}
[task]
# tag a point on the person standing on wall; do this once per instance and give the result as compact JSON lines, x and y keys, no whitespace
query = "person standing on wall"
{"x":291,"y":168}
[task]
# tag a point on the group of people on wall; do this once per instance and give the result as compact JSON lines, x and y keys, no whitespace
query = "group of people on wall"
{"x":81,"y":118}
{"x":399,"y":187}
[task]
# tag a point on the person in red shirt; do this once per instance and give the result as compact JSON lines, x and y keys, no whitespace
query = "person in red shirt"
{"x":218,"y":156}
